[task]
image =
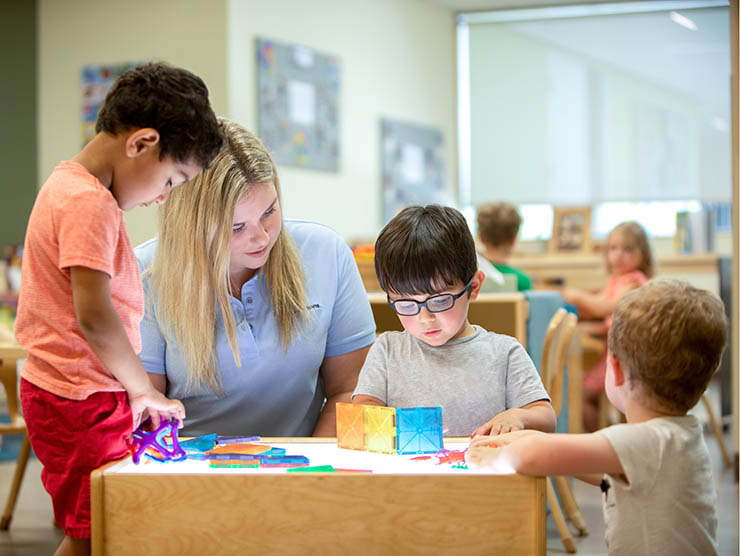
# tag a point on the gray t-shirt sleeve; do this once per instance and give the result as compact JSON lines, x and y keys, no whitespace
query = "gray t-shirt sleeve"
{"x":523,"y":382}
{"x":373,"y":380}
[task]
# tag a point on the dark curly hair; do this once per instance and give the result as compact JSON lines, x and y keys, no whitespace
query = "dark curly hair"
{"x":423,"y":250}
{"x":171,"y":100}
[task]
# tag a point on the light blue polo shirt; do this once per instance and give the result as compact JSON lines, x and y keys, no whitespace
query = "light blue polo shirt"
{"x":275,"y":392}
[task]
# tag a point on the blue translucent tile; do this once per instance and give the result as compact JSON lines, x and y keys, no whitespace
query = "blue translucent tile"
{"x":236,"y":439}
{"x":199,"y":443}
{"x":283,"y":459}
{"x":419,"y":430}
{"x":274,"y":452}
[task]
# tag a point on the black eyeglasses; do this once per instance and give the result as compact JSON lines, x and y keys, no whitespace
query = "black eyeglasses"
{"x":434,"y":304}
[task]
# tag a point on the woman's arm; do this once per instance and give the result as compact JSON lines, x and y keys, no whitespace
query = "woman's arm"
{"x":159,"y":382}
{"x":339,"y":374}
{"x":362,"y":399}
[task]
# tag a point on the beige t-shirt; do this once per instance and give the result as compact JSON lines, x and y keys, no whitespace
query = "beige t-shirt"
{"x":665,"y":503}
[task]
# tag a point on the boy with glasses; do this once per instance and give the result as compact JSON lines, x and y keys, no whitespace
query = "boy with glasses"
{"x":485,"y":382}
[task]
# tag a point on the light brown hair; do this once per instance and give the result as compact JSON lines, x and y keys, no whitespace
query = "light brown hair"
{"x":669,"y":337}
{"x":498,"y":223}
{"x":190,"y":274}
{"x":637,"y":233}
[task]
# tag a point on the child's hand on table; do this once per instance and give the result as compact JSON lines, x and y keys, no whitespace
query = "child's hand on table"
{"x":487,"y":452}
{"x":157,"y":405}
{"x":507,"y":421}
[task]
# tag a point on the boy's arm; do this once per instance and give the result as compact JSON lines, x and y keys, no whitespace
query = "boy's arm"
{"x":107,"y":337}
{"x":537,"y":415}
{"x":585,"y":456}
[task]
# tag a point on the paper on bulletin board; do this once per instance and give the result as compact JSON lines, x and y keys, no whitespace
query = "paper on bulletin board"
{"x":412,"y":167}
{"x":96,"y":80}
{"x":302,"y":102}
{"x":298,"y":99}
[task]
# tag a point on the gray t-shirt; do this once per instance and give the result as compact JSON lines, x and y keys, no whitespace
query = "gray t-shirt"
{"x":473,"y":378}
{"x":665,"y":503}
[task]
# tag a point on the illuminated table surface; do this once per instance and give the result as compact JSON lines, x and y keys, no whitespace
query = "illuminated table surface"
{"x":401,"y":507}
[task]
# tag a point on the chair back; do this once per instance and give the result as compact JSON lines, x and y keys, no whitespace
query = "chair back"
{"x":9,"y":380}
{"x":558,"y":338}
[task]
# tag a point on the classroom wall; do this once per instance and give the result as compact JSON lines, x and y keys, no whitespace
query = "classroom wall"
{"x":76,"y":33}
{"x":397,"y":57}
{"x":397,"y":61}
{"x":18,"y":116}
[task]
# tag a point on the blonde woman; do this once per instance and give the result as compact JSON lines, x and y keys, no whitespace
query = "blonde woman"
{"x":258,"y":325}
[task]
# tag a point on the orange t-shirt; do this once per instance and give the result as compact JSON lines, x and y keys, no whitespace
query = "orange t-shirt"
{"x":75,"y":221}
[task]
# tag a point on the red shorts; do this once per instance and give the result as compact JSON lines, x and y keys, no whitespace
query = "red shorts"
{"x":71,"y":438}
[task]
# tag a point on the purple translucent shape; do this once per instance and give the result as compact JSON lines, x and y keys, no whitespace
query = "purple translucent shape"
{"x":155,"y":439}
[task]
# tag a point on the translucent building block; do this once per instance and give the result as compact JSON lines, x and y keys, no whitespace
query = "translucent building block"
{"x":199,"y":443}
{"x":419,"y":430}
{"x":380,"y":429}
{"x":350,"y":426}
{"x":240,"y":449}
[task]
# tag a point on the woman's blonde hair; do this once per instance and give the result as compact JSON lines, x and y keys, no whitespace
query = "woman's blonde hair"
{"x":190,"y":274}
{"x":638,"y":234}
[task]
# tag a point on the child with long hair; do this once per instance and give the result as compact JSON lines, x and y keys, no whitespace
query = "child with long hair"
{"x":629,"y":261}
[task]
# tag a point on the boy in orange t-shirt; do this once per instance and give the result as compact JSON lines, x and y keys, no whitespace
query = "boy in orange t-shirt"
{"x":83,"y":388}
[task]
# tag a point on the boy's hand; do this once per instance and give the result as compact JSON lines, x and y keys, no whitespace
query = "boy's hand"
{"x":502,"y":439}
{"x":487,"y":452}
{"x":507,"y":421}
{"x":486,"y":457}
{"x":158,"y":406}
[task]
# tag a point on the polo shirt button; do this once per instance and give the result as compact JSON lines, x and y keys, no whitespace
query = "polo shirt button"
{"x":249,"y":300}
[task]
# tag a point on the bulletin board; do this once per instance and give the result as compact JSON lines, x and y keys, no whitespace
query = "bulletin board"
{"x":96,"y":80}
{"x":412,"y":166}
{"x":298,"y":100}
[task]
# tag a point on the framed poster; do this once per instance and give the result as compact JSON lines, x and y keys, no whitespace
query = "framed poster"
{"x":298,"y":99}
{"x":571,"y":230}
{"x":96,"y":80}
{"x":412,"y":166}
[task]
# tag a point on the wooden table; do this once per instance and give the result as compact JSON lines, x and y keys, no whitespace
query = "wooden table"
{"x":589,"y":271}
{"x":504,"y":313}
{"x":420,"y":509}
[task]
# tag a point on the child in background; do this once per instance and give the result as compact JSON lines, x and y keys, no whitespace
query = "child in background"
{"x":498,"y":227}
{"x":485,"y":382}
{"x":83,"y":387}
{"x":629,"y":262}
{"x":665,"y":344}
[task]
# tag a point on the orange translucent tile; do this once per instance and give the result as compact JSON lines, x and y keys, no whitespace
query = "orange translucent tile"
{"x":350,"y":426}
{"x":251,"y":449}
{"x":380,"y":429}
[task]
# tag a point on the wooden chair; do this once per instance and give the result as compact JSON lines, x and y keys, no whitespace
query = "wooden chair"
{"x":605,"y":409}
{"x":558,"y":339}
{"x":9,"y":355}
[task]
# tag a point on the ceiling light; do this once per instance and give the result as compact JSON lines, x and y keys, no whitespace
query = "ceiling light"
{"x":683,"y":21}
